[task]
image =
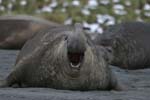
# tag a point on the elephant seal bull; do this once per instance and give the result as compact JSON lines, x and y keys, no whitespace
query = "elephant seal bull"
{"x":16,"y":30}
{"x":62,"y":58}
{"x":128,"y":43}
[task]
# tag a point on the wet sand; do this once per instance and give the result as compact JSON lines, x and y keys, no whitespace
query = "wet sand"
{"x":137,"y":83}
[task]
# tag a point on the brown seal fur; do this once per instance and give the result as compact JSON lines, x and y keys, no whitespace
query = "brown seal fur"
{"x":62,"y":58}
{"x":129,"y":44}
{"x":16,"y":30}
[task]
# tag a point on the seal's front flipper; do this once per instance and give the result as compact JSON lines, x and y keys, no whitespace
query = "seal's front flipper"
{"x":115,"y":84}
{"x":3,"y":84}
{"x":119,"y":87}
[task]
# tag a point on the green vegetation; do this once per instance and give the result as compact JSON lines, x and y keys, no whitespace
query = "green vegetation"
{"x":134,"y":10}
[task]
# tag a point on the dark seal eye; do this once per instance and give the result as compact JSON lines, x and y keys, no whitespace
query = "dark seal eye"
{"x":66,"y":37}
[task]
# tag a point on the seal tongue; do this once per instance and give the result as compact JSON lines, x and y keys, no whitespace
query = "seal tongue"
{"x":75,"y":59}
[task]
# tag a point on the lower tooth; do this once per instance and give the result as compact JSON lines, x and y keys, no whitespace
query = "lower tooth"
{"x":75,"y":66}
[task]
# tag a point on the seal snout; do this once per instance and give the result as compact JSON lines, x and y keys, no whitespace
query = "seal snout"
{"x":76,"y":47}
{"x":75,"y":52}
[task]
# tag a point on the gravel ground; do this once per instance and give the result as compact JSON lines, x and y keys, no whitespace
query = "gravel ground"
{"x":137,"y":83}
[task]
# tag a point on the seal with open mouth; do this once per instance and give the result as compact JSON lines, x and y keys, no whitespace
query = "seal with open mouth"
{"x":62,"y":58}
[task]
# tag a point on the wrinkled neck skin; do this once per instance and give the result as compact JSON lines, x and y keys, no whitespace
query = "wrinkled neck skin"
{"x":93,"y":73}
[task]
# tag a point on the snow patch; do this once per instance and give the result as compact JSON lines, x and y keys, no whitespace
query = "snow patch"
{"x":104,"y":2}
{"x":119,"y":9}
{"x":116,"y":1}
{"x":46,"y":9}
{"x":2,"y":8}
{"x":85,"y":12}
{"x":68,"y":21}
{"x":23,"y":2}
{"x":147,"y":7}
{"x":92,"y":4}
{"x":76,"y":3}
{"x":105,"y":19}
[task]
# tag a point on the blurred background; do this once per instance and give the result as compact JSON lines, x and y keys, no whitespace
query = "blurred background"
{"x":93,"y":14}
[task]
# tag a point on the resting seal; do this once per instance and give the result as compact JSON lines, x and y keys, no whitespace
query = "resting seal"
{"x":128,"y":44}
{"x":16,"y":30}
{"x":61,"y":58}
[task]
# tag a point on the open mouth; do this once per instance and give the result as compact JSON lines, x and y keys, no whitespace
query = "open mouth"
{"x":75,"y":59}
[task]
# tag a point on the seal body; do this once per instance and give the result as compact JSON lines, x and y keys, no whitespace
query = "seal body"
{"x":16,"y":30}
{"x":61,"y":58}
{"x":129,"y":43}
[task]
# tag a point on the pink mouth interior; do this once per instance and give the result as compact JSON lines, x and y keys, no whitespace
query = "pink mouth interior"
{"x":75,"y":58}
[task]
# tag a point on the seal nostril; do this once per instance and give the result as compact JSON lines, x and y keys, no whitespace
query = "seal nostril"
{"x":109,"y":49}
{"x":66,"y":37}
